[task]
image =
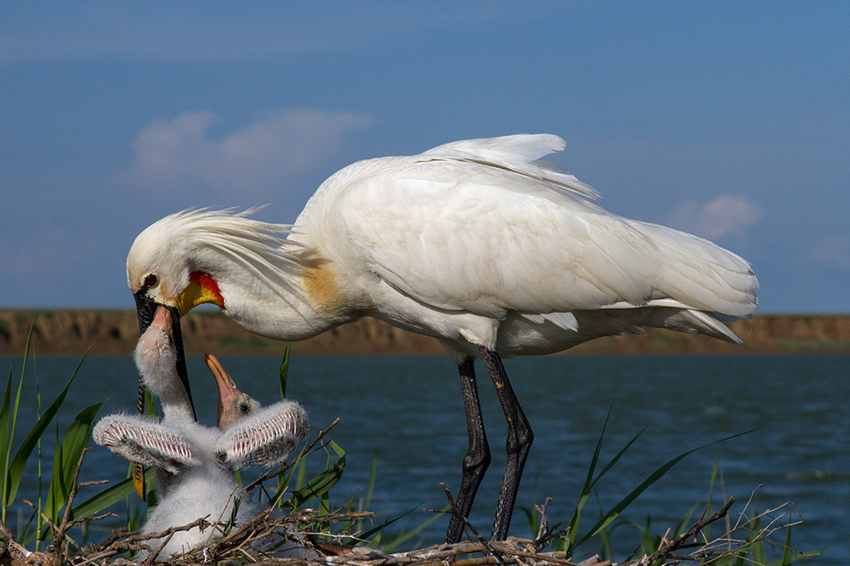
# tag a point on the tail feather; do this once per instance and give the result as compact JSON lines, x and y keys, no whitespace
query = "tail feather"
{"x":695,"y":322}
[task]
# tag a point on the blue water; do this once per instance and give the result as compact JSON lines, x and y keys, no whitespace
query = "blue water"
{"x":407,"y":412}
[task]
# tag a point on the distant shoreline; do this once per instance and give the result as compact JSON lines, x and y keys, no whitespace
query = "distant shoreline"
{"x":114,"y":332}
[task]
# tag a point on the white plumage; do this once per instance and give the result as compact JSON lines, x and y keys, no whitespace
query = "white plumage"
{"x":197,"y":462}
{"x":477,"y":243}
{"x":202,"y":488}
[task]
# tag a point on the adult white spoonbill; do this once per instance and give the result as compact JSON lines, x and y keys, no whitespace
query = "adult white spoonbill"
{"x":477,"y":243}
{"x":197,"y":462}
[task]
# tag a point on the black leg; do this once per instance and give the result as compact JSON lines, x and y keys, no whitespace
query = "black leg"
{"x":477,"y":456}
{"x":519,"y":442}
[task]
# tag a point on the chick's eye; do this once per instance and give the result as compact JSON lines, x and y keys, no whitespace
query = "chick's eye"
{"x":150,"y":280}
{"x":244,"y":408}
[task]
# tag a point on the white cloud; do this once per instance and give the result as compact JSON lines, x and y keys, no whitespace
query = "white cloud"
{"x":725,"y":215}
{"x":834,"y":251}
{"x":255,"y":159}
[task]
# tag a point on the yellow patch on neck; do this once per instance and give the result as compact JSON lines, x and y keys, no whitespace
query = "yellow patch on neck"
{"x":202,"y":289}
{"x":321,"y":285}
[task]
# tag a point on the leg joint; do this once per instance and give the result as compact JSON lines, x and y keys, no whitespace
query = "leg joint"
{"x":476,"y":462}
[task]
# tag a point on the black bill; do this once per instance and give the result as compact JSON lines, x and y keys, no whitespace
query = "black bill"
{"x":145,"y":311}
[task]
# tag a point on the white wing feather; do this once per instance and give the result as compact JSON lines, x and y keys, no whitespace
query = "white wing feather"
{"x":519,"y":153}
{"x":145,"y":442}
{"x":267,"y":437}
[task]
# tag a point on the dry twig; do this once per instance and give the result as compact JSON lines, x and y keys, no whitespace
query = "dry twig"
{"x":668,"y":547}
{"x":12,"y":544}
{"x":309,"y":449}
{"x":493,"y":552}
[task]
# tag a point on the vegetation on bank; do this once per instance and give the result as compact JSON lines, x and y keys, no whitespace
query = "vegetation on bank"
{"x":114,"y":332}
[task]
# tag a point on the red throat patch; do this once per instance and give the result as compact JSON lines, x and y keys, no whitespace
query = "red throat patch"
{"x":208,"y":284}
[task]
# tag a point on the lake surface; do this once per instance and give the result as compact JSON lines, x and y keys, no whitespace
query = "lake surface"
{"x":407,"y":412}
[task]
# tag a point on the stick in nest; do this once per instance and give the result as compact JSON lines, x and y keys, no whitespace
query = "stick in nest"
{"x":309,"y":449}
{"x":59,"y":533}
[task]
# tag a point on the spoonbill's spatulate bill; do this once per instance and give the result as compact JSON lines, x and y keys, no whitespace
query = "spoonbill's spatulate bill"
{"x":477,"y":243}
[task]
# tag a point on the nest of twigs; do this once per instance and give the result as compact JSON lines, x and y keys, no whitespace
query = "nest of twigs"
{"x":242,"y":545}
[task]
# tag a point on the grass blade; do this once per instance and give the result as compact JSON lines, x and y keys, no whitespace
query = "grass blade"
{"x":11,"y":422}
{"x":787,"y":553}
{"x":283,"y":373}
{"x":370,"y":489}
{"x":586,"y":488}
{"x":67,"y":457}
{"x":5,"y":438}
{"x":654,"y":477}
{"x":16,"y":469}
{"x":110,"y":496}
{"x":711,"y":482}
{"x":590,"y":481}
{"x":398,"y":540}
{"x":322,"y":483}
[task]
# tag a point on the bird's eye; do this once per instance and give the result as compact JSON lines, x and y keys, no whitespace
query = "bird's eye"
{"x":150,"y":280}
{"x":244,"y":408}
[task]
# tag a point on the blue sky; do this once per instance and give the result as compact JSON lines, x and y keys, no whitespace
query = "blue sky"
{"x":727,"y":119}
